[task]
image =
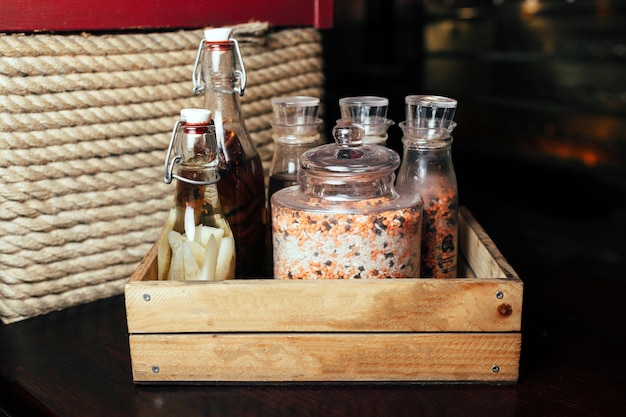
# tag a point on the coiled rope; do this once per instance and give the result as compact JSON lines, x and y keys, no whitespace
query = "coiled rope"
{"x":84,"y":125}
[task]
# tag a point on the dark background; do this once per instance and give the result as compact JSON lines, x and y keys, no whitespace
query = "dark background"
{"x":540,"y":147}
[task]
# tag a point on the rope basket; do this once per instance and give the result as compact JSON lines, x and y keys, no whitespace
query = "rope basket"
{"x":85,"y":122}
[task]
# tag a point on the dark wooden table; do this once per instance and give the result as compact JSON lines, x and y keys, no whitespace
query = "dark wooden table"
{"x":76,"y":363}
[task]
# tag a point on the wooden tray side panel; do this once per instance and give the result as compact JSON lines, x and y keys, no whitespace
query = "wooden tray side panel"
{"x":480,"y":251}
{"x":343,"y":305}
{"x":147,"y":268}
{"x":326,"y":357}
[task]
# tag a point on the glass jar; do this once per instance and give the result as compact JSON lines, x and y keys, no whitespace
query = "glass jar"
{"x":427,"y":169}
{"x":344,"y":219}
{"x":220,"y":74}
{"x":196,"y":242}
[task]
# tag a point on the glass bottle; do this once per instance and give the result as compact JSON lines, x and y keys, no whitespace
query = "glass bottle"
{"x":219,"y":66}
{"x":345,"y":219}
{"x":371,"y":113}
{"x":295,"y":129}
{"x":427,"y":169}
{"x":196,"y":242}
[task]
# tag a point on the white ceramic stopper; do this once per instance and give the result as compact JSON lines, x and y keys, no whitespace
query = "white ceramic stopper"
{"x":195,"y":116}
{"x":217,"y":34}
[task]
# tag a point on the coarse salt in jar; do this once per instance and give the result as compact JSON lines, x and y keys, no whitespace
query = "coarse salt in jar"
{"x":344,"y":219}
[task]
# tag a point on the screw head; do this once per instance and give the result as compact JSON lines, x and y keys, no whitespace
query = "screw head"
{"x":155,"y":369}
{"x":495,"y":369}
{"x":499,"y":295}
{"x":146,"y":297}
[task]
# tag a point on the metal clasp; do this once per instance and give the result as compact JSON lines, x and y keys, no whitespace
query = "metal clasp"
{"x":196,"y":76}
{"x":239,"y":74}
{"x":168,"y":166}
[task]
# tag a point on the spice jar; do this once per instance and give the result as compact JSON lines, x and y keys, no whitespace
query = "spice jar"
{"x":370,"y":112}
{"x":344,"y":219}
{"x":196,"y":243}
{"x":219,"y":73}
{"x":427,"y":169}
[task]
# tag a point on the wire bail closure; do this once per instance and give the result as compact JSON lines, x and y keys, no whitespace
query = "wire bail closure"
{"x":239,"y":74}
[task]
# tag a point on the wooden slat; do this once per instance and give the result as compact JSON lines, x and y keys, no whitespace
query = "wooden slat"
{"x":93,"y":15}
{"x":326,"y":357}
{"x":324,"y":305}
{"x":480,"y":251}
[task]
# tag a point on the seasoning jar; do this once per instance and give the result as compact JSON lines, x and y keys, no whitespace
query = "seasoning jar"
{"x":370,"y":112}
{"x":219,"y":73}
{"x":427,"y":169}
{"x":196,"y":243}
{"x":344,"y":219}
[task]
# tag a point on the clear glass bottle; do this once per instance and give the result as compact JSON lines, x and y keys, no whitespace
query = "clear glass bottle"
{"x":295,"y":129}
{"x":220,"y":73}
{"x":371,"y":113}
{"x":344,"y":219}
{"x":427,"y":169}
{"x":196,"y":242}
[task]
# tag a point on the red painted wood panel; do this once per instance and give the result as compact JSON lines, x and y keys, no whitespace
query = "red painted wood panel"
{"x":95,"y":15}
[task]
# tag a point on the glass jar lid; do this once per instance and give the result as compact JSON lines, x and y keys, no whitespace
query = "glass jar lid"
{"x":348,"y":156}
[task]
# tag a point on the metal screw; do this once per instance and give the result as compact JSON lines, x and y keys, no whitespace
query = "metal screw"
{"x":155,"y":369}
{"x":495,"y":369}
{"x":499,"y":295}
{"x":146,"y":297}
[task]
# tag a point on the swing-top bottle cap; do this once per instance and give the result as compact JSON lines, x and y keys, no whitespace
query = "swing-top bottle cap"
{"x":217,"y":34}
{"x":195,"y":116}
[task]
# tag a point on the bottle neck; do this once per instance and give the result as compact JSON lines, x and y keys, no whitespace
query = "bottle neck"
{"x":426,"y":137}
{"x":419,"y":143}
{"x":221,"y":96}
{"x":286,"y":158}
{"x":431,"y":152}
{"x":197,"y":151}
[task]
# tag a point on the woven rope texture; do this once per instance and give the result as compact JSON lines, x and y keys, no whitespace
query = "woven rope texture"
{"x":84,"y":125}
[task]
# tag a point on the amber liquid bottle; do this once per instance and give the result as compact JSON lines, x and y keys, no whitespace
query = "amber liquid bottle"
{"x":242,"y":184}
{"x":196,"y":243}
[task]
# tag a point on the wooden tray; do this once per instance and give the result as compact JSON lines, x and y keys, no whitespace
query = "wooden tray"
{"x":466,"y":329}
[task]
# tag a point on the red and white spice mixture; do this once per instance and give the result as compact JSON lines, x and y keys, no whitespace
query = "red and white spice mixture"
{"x":359,"y":242}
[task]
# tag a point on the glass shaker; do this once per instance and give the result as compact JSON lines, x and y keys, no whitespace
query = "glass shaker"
{"x":196,"y":242}
{"x":371,"y":113}
{"x":427,"y":169}
{"x":220,"y":73}
{"x":344,"y":219}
